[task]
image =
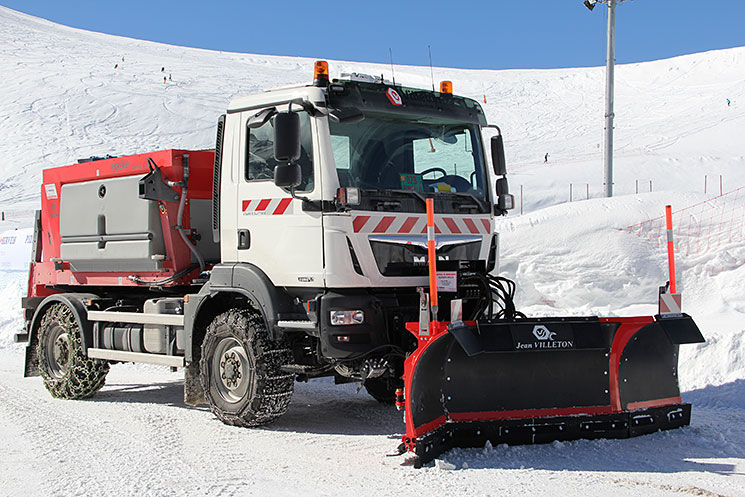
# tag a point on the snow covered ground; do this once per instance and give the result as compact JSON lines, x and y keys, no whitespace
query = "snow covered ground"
{"x":63,"y":99}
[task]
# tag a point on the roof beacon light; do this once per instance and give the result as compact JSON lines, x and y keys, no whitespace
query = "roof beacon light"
{"x":321,"y":73}
{"x":446,"y":87}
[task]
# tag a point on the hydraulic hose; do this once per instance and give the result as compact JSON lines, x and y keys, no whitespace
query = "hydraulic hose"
{"x":180,"y":216}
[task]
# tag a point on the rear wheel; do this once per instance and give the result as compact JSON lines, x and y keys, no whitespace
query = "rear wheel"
{"x":240,"y":370}
{"x":66,"y":371}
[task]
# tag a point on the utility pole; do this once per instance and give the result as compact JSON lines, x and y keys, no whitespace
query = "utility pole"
{"x":609,"y":76}
{"x":609,"y":73}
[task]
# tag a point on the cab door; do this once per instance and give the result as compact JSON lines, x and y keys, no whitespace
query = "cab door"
{"x":273,"y":230}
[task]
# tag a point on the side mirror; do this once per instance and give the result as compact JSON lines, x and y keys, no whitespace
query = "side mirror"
{"x":287,"y":175}
{"x":497,"y":155}
{"x":287,"y":149}
{"x":286,"y":136}
{"x":505,"y":200}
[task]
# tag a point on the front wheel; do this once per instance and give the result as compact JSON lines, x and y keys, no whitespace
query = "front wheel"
{"x":240,"y":370}
{"x":383,"y":389}
{"x":67,"y":372}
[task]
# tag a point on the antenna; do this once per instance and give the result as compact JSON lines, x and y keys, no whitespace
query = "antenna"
{"x":390,"y":50}
{"x":431,"y":73}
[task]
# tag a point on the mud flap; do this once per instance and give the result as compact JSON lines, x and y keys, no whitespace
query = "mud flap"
{"x":539,"y":380}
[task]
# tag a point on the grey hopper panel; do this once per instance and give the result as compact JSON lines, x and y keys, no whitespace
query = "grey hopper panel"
{"x":104,"y":226}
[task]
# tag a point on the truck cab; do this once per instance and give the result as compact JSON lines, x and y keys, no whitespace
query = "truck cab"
{"x":346,"y":238}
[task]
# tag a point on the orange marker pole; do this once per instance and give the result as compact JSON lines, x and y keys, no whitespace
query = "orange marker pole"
{"x":432,"y":255}
{"x":670,"y":249}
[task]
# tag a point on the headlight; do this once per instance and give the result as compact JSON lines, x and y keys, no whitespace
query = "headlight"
{"x":341,"y":318}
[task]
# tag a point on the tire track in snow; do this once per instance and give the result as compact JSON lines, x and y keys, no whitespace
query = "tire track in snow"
{"x":72,"y":447}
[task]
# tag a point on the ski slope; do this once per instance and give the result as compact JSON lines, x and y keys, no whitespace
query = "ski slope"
{"x":64,"y":99}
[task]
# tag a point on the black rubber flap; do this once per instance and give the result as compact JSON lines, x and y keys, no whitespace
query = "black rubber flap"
{"x":545,"y":430}
{"x":681,"y":329}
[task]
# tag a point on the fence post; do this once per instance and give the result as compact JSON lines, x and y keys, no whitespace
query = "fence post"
{"x":650,"y":186}
{"x":521,"y":200}
{"x":637,"y":185}
{"x":588,"y":190}
{"x":570,"y":192}
{"x":704,"y":184}
{"x":720,"y":185}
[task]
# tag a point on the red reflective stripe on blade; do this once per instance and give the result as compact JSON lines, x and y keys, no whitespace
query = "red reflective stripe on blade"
{"x":529,"y":413}
{"x":245,"y":205}
{"x":384,"y":224}
{"x":359,"y":222}
{"x":487,"y":225}
{"x":263,"y":204}
{"x":653,"y":403}
{"x":408,"y":225}
{"x":452,"y":226}
{"x":282,"y":207}
{"x":471,"y":225}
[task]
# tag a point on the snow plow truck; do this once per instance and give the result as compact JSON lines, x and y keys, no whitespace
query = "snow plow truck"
{"x":342,"y":228}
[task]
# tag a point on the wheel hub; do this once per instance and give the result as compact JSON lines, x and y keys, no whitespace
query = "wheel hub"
{"x":232,"y":370}
{"x":58,"y":352}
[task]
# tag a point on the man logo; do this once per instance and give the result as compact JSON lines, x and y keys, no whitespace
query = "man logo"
{"x":543,"y":333}
{"x":394,"y":97}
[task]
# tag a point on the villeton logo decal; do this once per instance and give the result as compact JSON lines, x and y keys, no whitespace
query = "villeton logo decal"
{"x":541,"y":337}
{"x":543,"y":333}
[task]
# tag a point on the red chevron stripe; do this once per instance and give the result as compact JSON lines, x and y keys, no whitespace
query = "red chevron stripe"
{"x":359,"y":222}
{"x":471,"y":225}
{"x":384,"y":224}
{"x":408,"y":225}
{"x":282,"y":207}
{"x":452,"y":226}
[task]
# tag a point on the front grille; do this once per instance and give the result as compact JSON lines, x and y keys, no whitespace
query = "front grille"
{"x":395,"y":259}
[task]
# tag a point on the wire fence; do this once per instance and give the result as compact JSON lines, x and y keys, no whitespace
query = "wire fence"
{"x":701,"y":227}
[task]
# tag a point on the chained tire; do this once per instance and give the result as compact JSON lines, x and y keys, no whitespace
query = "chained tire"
{"x":240,"y":370}
{"x":383,"y":389}
{"x":67,"y":372}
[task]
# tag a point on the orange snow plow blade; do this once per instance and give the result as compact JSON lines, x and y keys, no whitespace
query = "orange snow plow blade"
{"x":538,"y":380}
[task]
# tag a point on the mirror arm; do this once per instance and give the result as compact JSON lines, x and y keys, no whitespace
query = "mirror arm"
{"x":306,"y":200}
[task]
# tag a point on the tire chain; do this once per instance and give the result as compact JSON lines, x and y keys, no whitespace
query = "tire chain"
{"x":274,"y":387}
{"x":83,"y":377}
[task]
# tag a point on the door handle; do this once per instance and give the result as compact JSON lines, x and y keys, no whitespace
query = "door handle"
{"x":244,"y":239}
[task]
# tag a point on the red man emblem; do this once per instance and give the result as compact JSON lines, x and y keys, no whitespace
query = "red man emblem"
{"x":394,"y":97}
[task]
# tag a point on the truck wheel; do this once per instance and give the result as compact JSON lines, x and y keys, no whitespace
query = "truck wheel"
{"x":67,"y":372}
{"x":240,"y":370}
{"x":383,"y":389}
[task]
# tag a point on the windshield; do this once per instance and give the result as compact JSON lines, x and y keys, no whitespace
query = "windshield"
{"x":391,"y":153}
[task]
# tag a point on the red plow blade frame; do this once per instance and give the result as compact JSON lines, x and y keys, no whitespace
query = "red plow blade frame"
{"x":539,"y":380}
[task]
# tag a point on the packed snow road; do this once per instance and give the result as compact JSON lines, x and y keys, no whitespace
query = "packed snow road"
{"x":136,"y":437}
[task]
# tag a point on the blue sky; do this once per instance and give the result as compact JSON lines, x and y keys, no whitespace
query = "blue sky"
{"x":496,"y":34}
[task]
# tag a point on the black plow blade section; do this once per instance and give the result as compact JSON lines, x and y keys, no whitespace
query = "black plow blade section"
{"x":530,"y":365}
{"x":545,"y":430}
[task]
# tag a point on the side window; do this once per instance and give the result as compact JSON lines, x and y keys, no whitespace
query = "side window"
{"x":260,"y":160}
{"x":340,"y":146}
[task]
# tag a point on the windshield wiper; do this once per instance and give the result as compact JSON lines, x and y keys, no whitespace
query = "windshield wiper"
{"x":480,"y":203}
{"x":415,"y":194}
